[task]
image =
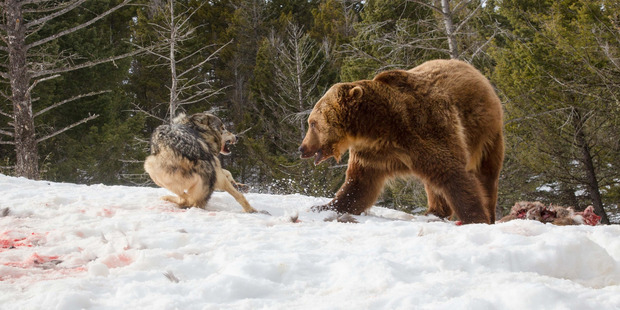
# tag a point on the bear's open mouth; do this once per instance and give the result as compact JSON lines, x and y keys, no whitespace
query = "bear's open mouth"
{"x":318,"y":157}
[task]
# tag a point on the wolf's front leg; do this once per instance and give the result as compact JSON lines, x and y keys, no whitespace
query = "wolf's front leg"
{"x":224,"y":183}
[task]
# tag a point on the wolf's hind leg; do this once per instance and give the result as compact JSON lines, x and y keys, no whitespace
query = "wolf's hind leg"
{"x":185,"y":189}
{"x":198,"y":192}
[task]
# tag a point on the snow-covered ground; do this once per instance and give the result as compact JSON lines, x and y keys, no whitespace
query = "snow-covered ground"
{"x":67,"y":246}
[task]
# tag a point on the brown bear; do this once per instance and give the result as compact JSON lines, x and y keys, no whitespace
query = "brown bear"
{"x":440,"y":121}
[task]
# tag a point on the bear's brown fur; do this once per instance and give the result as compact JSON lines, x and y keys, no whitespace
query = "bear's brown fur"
{"x":440,"y":121}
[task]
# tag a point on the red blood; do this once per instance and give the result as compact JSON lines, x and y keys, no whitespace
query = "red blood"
{"x":14,"y":243}
{"x":589,"y":217}
{"x":33,"y":260}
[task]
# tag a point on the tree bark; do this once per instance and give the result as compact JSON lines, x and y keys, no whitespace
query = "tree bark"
{"x":173,"y":69}
{"x":21,"y":76}
{"x":586,"y":159}
{"x":449,"y":23}
{"x":27,"y":158}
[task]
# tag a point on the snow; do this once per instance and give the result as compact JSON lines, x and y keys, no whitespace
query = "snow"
{"x":68,"y":246}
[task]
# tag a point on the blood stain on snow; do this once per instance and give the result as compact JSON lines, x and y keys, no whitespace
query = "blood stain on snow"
{"x":115,"y":261}
{"x":35,"y":260}
{"x":106,"y":212}
{"x":12,"y":239}
{"x":42,"y":274}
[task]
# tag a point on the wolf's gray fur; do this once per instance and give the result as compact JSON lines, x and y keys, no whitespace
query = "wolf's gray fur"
{"x":184,"y":160}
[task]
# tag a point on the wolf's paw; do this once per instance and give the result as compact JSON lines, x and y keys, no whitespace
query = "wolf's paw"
{"x":177,"y":201}
{"x":173,"y":199}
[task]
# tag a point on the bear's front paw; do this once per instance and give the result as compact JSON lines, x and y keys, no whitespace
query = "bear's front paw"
{"x":327,"y":207}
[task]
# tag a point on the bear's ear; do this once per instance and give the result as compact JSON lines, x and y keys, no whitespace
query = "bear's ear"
{"x":393,"y":77}
{"x":356,"y":92}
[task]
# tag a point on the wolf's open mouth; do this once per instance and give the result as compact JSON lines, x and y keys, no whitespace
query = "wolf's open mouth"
{"x":225,"y":147}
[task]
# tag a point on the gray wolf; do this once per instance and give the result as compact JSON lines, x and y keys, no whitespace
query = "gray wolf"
{"x":184,"y":159}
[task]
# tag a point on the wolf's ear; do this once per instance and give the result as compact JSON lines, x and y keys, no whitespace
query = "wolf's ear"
{"x":179,"y":118}
{"x":200,"y":119}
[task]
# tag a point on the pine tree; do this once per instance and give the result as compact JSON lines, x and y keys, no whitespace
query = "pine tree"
{"x":560,"y":109}
{"x":32,"y":35}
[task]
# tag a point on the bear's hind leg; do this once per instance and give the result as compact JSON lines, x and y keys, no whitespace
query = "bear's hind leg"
{"x":461,"y":191}
{"x":490,"y":167}
{"x":464,"y":195}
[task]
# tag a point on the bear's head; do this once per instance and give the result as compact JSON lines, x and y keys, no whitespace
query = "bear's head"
{"x":328,"y":134}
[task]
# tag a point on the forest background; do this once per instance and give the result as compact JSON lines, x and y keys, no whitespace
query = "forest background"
{"x":83,"y":83}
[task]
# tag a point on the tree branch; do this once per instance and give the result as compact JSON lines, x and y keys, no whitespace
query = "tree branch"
{"x":5,"y":96}
{"x":430,"y":6}
{"x":467,"y":18}
{"x":211,"y":57}
{"x":6,"y":133}
{"x":26,"y":2}
{"x":6,"y":114}
{"x":67,"y":128}
{"x":57,"y":104}
{"x":49,"y":17}
{"x":78,"y":27}
{"x":141,"y":110}
{"x":41,"y":80}
{"x":86,"y":64}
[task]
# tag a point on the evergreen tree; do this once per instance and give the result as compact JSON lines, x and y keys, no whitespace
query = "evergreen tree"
{"x":389,"y":35}
{"x":561,"y":113}
{"x":63,"y":43}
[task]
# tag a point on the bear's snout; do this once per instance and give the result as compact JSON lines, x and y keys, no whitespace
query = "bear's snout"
{"x":304,"y":152}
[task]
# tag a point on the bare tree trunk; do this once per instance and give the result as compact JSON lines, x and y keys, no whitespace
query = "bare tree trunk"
{"x":188,"y":84}
{"x":448,"y":22}
{"x":299,"y":83}
{"x":586,"y":159}
{"x":173,"y":63}
{"x":22,"y":78}
{"x":23,"y":118}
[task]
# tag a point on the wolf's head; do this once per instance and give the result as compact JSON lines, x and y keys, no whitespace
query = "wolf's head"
{"x":211,"y":128}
